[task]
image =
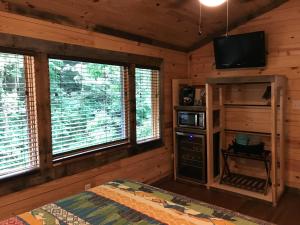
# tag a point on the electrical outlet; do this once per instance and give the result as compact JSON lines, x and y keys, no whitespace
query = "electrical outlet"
{"x":87,"y":187}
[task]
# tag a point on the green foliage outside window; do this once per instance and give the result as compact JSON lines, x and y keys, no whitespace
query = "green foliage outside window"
{"x":14,"y":133}
{"x":144,"y":127}
{"x":87,"y":108}
{"x":146,"y":84}
{"x":87,"y":104}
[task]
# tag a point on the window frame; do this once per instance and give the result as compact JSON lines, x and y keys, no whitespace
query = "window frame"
{"x":96,"y":148}
{"x":133,"y":146}
{"x":51,"y":169}
{"x":155,"y":141}
{"x":138,"y":148}
{"x":29,"y":53}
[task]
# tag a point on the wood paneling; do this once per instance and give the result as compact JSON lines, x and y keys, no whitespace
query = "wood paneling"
{"x":146,"y":167}
{"x":169,"y":23}
{"x":248,"y":119}
{"x":283,"y":41}
{"x":245,"y":94}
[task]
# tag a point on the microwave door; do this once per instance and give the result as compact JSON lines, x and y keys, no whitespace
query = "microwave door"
{"x":186,"y":119}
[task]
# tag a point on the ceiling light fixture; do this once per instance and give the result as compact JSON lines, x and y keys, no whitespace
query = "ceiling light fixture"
{"x":212,"y":3}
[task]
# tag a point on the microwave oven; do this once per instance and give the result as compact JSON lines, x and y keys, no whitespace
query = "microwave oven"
{"x":191,"y":119}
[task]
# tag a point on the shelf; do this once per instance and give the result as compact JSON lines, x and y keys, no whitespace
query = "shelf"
{"x":190,"y":150}
{"x":190,"y":130}
{"x":259,"y":157}
{"x":191,"y":160}
{"x":247,"y":106}
{"x":243,"y":110}
{"x":269,"y":107}
{"x":267,"y":197}
{"x":245,"y":182}
{"x":250,"y":132}
{"x":190,"y":165}
{"x":193,"y":108}
{"x":244,"y":79}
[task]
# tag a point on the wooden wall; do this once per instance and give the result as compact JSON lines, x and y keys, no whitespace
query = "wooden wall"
{"x":147,"y":167}
{"x":283,"y":40}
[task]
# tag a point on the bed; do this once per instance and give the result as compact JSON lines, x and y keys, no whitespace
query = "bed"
{"x":128,"y":202}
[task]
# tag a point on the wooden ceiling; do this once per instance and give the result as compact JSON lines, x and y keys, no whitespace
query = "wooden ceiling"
{"x":167,"y":23}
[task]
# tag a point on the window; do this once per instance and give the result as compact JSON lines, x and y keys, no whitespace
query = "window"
{"x":147,"y":104}
{"x":88,"y":105}
{"x":63,"y":112}
{"x":18,"y":137}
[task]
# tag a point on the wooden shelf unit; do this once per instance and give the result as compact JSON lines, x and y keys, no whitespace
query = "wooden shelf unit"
{"x":257,"y":117}
{"x":176,"y":86}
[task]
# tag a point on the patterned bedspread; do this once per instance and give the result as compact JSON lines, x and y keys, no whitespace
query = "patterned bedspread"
{"x":127,"y":202}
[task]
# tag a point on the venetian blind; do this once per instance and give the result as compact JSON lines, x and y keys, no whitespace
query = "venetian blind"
{"x":89,"y":105}
{"x":18,"y":130}
{"x":147,"y":104}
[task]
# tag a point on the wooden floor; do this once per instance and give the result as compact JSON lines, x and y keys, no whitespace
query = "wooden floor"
{"x":286,"y":213}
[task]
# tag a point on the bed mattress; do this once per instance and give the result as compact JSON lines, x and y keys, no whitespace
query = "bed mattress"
{"x":128,"y":202}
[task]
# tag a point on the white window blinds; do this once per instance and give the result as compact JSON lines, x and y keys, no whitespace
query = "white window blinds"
{"x":18,"y":131}
{"x":147,"y":104}
{"x":89,"y":105}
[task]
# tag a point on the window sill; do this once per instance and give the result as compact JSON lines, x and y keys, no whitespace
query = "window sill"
{"x":149,"y":145}
{"x":22,"y":173}
{"x":89,"y":152}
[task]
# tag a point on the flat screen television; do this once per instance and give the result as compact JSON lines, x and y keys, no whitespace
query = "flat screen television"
{"x":240,"y":51}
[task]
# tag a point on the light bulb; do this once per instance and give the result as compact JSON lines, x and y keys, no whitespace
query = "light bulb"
{"x":212,"y":3}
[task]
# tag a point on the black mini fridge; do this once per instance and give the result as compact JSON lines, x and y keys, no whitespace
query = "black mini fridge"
{"x":191,"y":157}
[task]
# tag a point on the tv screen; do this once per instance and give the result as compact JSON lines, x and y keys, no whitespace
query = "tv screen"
{"x":240,"y":51}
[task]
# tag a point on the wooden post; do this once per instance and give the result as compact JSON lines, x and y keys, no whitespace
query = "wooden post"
{"x":31,"y":108}
{"x":274,"y":87}
{"x":222,"y":124}
{"x":125,"y":99}
{"x":42,"y":84}
{"x":209,"y":130}
{"x":155,"y":92}
{"x":132,"y":113}
{"x":282,"y":136}
{"x":175,"y":102}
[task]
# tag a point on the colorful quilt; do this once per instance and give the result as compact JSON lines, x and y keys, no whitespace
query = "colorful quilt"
{"x":127,"y":202}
